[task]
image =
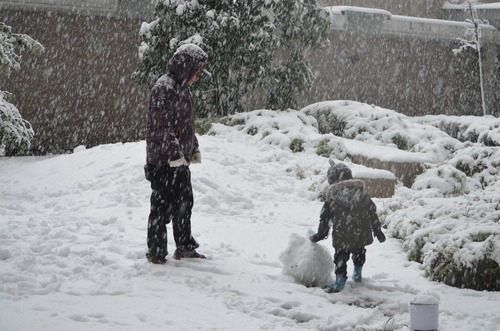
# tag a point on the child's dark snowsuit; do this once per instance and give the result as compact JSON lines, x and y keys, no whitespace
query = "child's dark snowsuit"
{"x":353,"y":216}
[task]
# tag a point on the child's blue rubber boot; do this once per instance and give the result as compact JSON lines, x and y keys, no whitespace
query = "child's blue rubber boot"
{"x":337,"y":286}
{"x":357,"y":274}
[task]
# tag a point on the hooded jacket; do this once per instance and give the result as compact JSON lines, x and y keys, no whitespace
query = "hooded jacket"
{"x":170,"y":122}
{"x":352,"y":213}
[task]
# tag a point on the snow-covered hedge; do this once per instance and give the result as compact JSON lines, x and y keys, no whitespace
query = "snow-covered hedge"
{"x":449,"y":220}
{"x":467,"y":128}
{"x":291,"y":130}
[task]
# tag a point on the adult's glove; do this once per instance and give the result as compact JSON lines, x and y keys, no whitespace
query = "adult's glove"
{"x":179,"y":162}
{"x":196,"y":158}
{"x":380,"y":235}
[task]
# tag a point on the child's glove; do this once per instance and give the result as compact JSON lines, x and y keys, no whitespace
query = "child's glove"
{"x":316,"y":237}
{"x":380,"y":235}
{"x":323,"y":230}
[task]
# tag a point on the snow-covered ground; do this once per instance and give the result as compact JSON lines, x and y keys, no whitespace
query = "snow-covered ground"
{"x":73,"y":239}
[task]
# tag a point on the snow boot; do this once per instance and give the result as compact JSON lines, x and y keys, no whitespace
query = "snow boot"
{"x":192,"y":255}
{"x":357,"y":274}
{"x":337,"y":286}
{"x":156,"y":260}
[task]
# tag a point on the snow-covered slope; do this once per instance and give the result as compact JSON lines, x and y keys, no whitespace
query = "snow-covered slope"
{"x":73,"y":239}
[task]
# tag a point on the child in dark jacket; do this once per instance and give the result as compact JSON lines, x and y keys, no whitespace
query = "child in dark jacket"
{"x":352,"y":213}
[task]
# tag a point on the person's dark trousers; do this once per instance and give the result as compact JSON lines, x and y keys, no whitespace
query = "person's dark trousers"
{"x":171,"y":201}
{"x":342,"y":256}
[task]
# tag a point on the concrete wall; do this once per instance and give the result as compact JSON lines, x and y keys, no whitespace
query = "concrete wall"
{"x":80,"y":90}
{"x":407,"y":65}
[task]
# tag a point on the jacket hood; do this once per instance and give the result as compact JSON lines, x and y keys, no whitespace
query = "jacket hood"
{"x":347,"y":192}
{"x":338,"y":172}
{"x":186,"y":61}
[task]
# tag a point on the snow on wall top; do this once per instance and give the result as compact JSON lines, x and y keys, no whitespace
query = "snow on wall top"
{"x":494,"y":5}
{"x":409,"y":26}
{"x":89,"y":4}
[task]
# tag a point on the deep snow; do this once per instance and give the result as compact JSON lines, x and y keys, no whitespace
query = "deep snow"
{"x":73,"y":239}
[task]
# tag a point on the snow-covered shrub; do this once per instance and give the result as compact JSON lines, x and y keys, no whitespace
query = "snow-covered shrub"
{"x":331,"y":146}
{"x":485,"y":130}
{"x":448,"y":180}
{"x":235,"y":120}
{"x":472,"y":168}
{"x":15,"y":132}
{"x":297,"y":145}
{"x":481,"y":273}
{"x":379,"y":126}
{"x":479,"y":163}
{"x":450,"y":218}
{"x":456,"y":239}
{"x":323,"y":149}
{"x":328,"y":121}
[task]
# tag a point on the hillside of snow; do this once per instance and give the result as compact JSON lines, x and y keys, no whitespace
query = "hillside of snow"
{"x":73,"y":229}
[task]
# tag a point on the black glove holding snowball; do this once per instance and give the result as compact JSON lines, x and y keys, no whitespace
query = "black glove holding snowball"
{"x":323,"y":231}
{"x":315,"y":238}
{"x":379,"y":234}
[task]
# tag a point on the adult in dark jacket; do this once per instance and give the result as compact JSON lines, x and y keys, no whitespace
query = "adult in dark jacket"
{"x":171,"y":146}
{"x":353,"y":215}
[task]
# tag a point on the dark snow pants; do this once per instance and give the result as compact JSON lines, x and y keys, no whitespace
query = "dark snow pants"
{"x":171,"y":201}
{"x":342,"y":256}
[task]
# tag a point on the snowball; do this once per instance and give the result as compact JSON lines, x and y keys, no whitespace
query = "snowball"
{"x":310,"y":264}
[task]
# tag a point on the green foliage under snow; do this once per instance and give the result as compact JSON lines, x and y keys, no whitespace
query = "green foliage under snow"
{"x":246,"y":42}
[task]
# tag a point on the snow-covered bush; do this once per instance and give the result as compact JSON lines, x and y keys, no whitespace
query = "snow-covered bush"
{"x":450,"y":220}
{"x":379,"y":126}
{"x":456,"y":239}
{"x":15,"y":132}
{"x":291,"y":130}
{"x":446,"y":179}
{"x":467,"y":128}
